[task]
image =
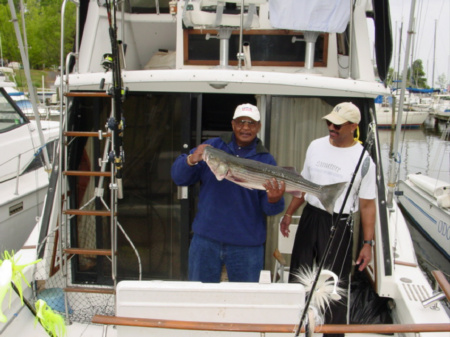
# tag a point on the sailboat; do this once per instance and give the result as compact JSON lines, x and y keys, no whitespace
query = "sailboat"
{"x":387,"y":114}
{"x":146,"y":82}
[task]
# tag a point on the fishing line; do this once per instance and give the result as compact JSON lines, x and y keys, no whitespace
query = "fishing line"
{"x":367,"y":145}
{"x":349,"y":224}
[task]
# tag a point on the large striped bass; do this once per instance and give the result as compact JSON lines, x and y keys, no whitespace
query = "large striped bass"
{"x":253,"y":174}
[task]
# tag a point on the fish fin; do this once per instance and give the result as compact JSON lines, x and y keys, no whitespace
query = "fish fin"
{"x":237,"y":180}
{"x":329,"y":194}
{"x":297,"y":194}
{"x":290,"y":168}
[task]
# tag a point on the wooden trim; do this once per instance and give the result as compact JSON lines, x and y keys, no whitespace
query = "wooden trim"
{"x":86,"y":134}
{"x":86,"y":251}
{"x":286,"y":328}
{"x":191,"y":31}
{"x":279,"y":257}
{"x":89,"y":290}
{"x":87,"y":173}
{"x":87,"y":94}
{"x":83,"y":212}
{"x":442,"y":281}
{"x":403,"y":263}
{"x":29,"y":247}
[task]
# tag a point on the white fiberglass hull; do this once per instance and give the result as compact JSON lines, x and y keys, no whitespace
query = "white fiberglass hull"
{"x":20,"y":204}
{"x":409,"y":118}
{"x":432,"y":220}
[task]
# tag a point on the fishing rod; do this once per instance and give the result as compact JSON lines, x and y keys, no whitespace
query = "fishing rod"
{"x":116,"y":123}
{"x":367,"y":145}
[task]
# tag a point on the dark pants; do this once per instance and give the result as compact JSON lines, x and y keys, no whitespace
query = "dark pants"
{"x":310,"y":243}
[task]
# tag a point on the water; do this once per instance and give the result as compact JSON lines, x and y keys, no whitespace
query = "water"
{"x":421,"y":150}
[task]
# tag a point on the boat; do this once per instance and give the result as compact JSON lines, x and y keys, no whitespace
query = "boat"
{"x":7,"y":74}
{"x":114,"y":233}
{"x":23,"y":177}
{"x":441,"y":107}
{"x":412,"y":117}
{"x":46,"y":111}
{"x":427,"y":201}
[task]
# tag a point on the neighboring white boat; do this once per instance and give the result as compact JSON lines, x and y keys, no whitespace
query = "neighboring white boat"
{"x":114,"y":247}
{"x":411,"y":117}
{"x":427,"y":202}
{"x":23,"y":179}
{"x":24,"y":103}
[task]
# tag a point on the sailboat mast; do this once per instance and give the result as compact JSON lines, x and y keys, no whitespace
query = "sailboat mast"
{"x":393,"y":158}
{"x":434,"y":53}
{"x":399,"y":51}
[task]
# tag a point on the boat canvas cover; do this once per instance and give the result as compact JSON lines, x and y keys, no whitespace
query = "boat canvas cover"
{"x":306,"y":15}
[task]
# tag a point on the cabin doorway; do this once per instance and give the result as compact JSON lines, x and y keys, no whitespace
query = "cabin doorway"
{"x":153,"y":213}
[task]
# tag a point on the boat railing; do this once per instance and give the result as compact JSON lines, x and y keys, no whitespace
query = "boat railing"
{"x":19,"y":168}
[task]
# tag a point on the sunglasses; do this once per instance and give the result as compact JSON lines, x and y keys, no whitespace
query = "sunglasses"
{"x":240,"y":123}
{"x":337,"y":127}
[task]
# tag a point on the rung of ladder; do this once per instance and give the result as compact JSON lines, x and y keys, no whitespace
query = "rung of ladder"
{"x":90,"y":290}
{"x":87,"y":134}
{"x":87,"y":212}
{"x":87,"y":94}
{"x":87,"y":173}
{"x":87,"y":251}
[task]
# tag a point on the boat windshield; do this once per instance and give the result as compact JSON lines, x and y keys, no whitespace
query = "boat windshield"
{"x":9,"y":116}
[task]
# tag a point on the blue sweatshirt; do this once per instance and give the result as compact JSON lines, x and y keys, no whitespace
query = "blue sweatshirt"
{"x":227,"y":212}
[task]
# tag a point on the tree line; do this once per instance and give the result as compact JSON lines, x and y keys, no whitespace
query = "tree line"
{"x":43,"y":32}
{"x":415,"y":77}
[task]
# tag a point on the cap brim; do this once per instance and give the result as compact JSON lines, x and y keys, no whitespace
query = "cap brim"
{"x":335,"y":119}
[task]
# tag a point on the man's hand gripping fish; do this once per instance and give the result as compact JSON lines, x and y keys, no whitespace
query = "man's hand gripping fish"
{"x":253,"y":174}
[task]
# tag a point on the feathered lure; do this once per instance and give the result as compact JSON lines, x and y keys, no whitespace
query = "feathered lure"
{"x":51,"y":321}
{"x":11,"y":273}
{"x":326,"y":290}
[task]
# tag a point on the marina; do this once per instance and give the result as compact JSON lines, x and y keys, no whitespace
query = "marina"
{"x":423,"y":150}
{"x":113,"y":236}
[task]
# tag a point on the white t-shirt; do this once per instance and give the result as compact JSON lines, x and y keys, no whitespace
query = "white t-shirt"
{"x":327,"y":164}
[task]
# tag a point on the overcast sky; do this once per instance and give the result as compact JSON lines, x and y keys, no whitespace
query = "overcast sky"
{"x":428,"y":15}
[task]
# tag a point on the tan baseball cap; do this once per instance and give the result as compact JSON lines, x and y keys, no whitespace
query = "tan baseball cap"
{"x":247,"y":110}
{"x":343,"y":113}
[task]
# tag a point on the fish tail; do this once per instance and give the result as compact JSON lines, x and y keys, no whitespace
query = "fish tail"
{"x":329,"y":194}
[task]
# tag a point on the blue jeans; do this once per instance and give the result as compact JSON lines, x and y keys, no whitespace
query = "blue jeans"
{"x":206,"y":257}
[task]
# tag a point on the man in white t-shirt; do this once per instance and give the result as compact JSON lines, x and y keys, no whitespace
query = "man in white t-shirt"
{"x":330,"y":160}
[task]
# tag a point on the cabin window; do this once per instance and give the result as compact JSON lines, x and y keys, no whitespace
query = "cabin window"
{"x":9,"y":117}
{"x":147,"y":6}
{"x":267,"y":48}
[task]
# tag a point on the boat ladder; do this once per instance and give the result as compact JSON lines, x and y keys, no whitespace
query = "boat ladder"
{"x":95,"y":211}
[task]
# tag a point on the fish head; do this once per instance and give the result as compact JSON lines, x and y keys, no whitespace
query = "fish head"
{"x":215,"y":162}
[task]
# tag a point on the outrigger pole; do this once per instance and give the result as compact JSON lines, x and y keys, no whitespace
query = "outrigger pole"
{"x":26,"y":67}
{"x":367,"y":145}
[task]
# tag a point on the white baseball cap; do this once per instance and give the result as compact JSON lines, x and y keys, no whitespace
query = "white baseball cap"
{"x":247,"y":110}
{"x":343,"y":113}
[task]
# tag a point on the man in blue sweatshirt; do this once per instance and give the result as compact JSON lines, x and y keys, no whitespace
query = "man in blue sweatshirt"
{"x":229,"y":227}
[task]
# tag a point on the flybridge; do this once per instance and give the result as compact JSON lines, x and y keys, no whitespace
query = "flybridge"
{"x":207,"y":33}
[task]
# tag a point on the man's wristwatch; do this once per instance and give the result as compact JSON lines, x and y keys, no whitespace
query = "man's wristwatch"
{"x":369,"y":242}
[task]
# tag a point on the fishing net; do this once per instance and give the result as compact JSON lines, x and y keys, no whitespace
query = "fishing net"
{"x":50,"y":283}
